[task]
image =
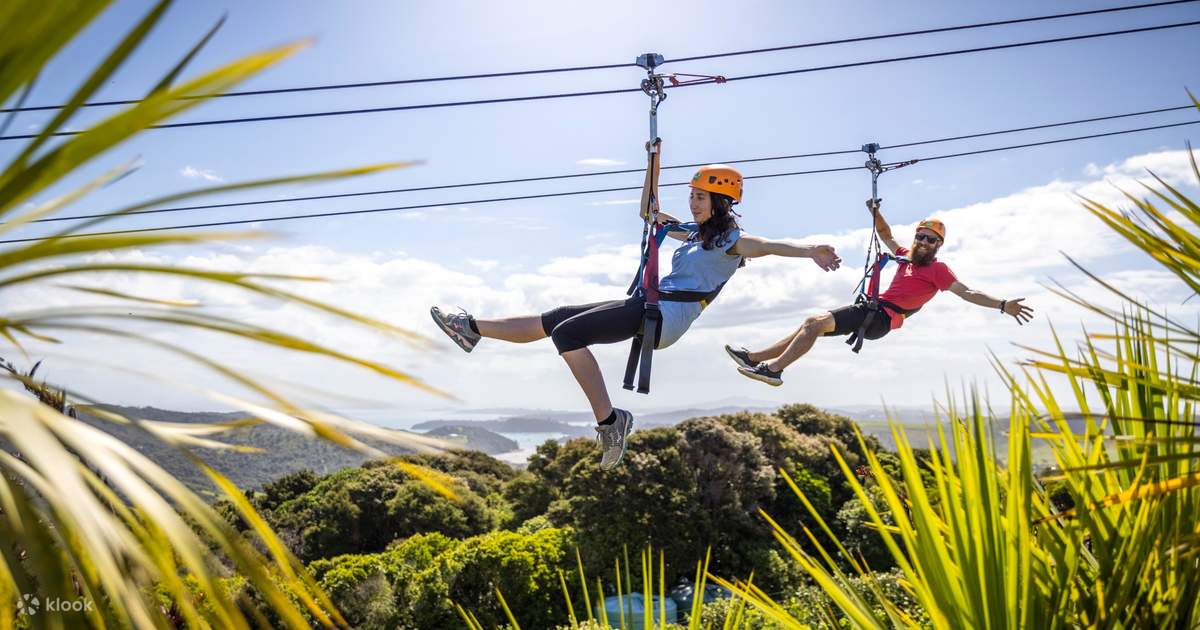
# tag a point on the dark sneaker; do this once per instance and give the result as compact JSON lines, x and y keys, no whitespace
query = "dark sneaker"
{"x":612,"y":438}
{"x":741,"y":356}
{"x":762,"y":373}
{"x":457,"y":326}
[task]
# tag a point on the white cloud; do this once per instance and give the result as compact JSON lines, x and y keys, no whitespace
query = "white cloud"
{"x":599,"y":162}
{"x":192,"y":172}
{"x":613,"y":263}
{"x":483,"y":265}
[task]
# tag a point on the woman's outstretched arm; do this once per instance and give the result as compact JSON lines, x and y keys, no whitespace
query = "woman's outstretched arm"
{"x":756,"y":246}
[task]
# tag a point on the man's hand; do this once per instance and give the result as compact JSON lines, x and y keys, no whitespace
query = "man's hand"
{"x":826,"y":258}
{"x":1018,"y":311}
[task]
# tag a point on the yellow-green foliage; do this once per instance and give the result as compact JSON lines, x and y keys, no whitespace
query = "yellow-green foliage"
{"x":82,"y":514}
{"x":426,"y":573}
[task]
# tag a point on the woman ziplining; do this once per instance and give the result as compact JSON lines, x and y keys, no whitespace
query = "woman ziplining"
{"x":919,"y":277}
{"x":713,"y":248}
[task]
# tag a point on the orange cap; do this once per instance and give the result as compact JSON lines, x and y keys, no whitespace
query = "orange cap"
{"x":719,"y":179}
{"x":937,"y":227}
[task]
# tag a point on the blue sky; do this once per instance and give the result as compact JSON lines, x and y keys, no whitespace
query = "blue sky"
{"x":498,"y":256}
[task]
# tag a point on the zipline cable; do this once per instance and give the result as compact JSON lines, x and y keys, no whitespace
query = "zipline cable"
{"x":516,"y":73}
{"x":928,"y":31}
{"x":541,"y":178}
{"x":949,"y":53}
{"x":580,"y":192}
{"x":538,"y":97}
{"x":1048,"y":142}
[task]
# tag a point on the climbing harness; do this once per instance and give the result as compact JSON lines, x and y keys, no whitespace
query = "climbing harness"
{"x":646,"y":280}
{"x":877,"y":258}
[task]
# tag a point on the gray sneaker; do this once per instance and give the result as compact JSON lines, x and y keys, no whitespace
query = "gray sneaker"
{"x":457,"y":326}
{"x":741,"y":356}
{"x":612,"y":438}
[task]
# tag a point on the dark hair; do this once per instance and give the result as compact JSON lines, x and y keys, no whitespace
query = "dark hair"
{"x":721,"y":221}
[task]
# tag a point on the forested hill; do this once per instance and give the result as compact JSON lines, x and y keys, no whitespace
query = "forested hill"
{"x":284,"y":451}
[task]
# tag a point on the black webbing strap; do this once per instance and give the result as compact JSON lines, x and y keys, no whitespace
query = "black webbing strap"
{"x":641,"y":351}
{"x":635,"y":353}
{"x":855,"y":341}
{"x":874,"y":307}
{"x":690,"y":296}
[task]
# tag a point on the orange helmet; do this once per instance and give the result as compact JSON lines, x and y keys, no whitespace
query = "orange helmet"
{"x":935,"y":226}
{"x":719,"y":179}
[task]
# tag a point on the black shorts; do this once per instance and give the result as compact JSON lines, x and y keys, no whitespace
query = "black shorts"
{"x":575,"y":327}
{"x":848,"y":319}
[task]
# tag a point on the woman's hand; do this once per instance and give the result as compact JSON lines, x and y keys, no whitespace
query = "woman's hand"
{"x":826,"y":258}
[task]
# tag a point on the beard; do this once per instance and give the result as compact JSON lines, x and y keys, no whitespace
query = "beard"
{"x":921,"y":254}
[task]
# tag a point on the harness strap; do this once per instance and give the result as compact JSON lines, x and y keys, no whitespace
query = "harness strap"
{"x":703,"y":297}
{"x":856,"y":338}
{"x":871,"y":298}
{"x":644,"y":343}
{"x":641,"y":349}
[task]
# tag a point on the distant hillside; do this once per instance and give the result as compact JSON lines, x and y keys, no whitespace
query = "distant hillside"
{"x":285,"y":451}
{"x":519,"y":424}
{"x":576,"y":424}
{"x":475,"y":439}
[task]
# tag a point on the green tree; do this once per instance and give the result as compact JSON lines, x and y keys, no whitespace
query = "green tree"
{"x":529,"y":496}
{"x":425,"y":574}
{"x":360,"y":510}
{"x":285,"y":489}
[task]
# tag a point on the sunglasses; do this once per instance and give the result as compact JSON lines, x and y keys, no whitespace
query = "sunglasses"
{"x":925,"y":238}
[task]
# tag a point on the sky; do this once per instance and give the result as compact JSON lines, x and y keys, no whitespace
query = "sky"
{"x":1011,"y":216}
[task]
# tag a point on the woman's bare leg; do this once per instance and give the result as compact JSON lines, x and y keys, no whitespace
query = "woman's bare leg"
{"x":587,"y":373}
{"x":514,"y":329}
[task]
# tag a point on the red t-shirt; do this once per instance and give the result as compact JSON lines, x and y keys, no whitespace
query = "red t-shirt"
{"x":914,"y":285}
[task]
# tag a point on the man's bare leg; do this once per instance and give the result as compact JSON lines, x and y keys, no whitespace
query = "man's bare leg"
{"x":773,"y":350}
{"x":800,"y":342}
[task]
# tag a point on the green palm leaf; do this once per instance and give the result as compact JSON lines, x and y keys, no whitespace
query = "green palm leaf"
{"x":83,"y":514}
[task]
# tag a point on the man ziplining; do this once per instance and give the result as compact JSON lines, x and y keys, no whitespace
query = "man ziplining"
{"x":919,"y":277}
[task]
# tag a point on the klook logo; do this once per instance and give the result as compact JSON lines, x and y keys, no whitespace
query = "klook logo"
{"x":29,"y":605}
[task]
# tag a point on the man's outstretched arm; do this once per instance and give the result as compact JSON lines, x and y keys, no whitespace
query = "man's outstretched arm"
{"x":1014,"y":307}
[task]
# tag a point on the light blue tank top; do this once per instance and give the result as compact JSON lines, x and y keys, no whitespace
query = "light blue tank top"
{"x":694,"y":268}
